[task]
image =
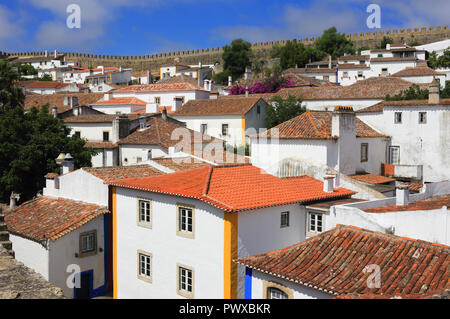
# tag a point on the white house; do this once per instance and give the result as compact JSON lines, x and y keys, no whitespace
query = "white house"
{"x":119,"y":105}
{"x":64,"y":241}
{"x":160,"y":95}
{"x":420,"y":75}
{"x":230,"y":119}
{"x":359,"y":95}
{"x":50,"y":87}
{"x":164,"y":137}
{"x":336,"y":140}
{"x":350,"y":263}
{"x":80,"y":75}
{"x":424,"y":215}
{"x":102,"y":132}
{"x":420,"y":140}
{"x":187,"y":227}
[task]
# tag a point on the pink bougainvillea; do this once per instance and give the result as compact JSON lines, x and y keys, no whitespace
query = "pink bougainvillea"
{"x":271,"y":85}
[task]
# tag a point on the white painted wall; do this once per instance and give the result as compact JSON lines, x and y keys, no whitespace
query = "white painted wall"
{"x":62,"y":253}
{"x":32,"y":254}
{"x":204,"y":253}
{"x":420,"y":144}
{"x":132,"y":152}
{"x":299,"y":291}
{"x":91,"y":131}
{"x":118,"y":108}
{"x":82,"y":186}
{"x":214,"y":123}
{"x":329,"y":105}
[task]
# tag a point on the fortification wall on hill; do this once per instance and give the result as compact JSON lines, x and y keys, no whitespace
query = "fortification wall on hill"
{"x":152,"y":62}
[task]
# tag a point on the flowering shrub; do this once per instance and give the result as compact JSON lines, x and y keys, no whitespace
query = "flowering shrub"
{"x":271,"y":85}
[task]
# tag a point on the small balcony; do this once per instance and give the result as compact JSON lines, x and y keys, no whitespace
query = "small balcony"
{"x":402,"y":171}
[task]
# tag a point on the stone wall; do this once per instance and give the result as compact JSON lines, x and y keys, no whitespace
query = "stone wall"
{"x":210,"y":55}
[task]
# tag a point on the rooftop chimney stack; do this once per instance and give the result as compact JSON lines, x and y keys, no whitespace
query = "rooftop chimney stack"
{"x":434,"y":95}
{"x":230,"y":81}
{"x":120,"y":128}
{"x":55,"y":53}
{"x":402,"y":195}
{"x":55,"y":111}
{"x":148,"y":77}
{"x":164,"y":114}
{"x":142,"y":122}
{"x":328,"y":183}
{"x":46,"y":53}
{"x":246,"y":91}
{"x":68,"y":164}
{"x":329,"y":61}
{"x":13,"y":200}
{"x":343,"y":129}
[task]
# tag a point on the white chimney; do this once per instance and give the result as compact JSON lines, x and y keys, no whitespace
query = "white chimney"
{"x":151,"y":108}
{"x":13,"y":200}
{"x":120,"y":69}
{"x":148,"y":77}
{"x":433,"y":92}
{"x":68,"y":164}
{"x":107,"y":96}
{"x":246,"y":91}
{"x":343,"y":129}
{"x":142,"y":122}
{"x":388,"y":46}
{"x":328,"y":183}
{"x":402,"y":195}
{"x":46,"y":53}
{"x":230,"y":81}
{"x":171,"y":150}
{"x":76,"y":111}
{"x":205,"y":85}
{"x":101,"y":67}
{"x":55,"y":54}
{"x":55,"y":111}
{"x":177,"y":103}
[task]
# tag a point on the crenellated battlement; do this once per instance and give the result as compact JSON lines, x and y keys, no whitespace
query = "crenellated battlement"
{"x":210,"y":55}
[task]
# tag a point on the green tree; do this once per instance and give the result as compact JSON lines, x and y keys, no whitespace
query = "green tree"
{"x":280,"y":110}
{"x":439,"y":62}
{"x":275,"y":51}
{"x":414,"y":92}
{"x":414,"y":43}
{"x":294,"y":54}
{"x":334,"y":43}
{"x":46,"y":77}
{"x":445,"y":92}
{"x":385,"y":42}
{"x":30,"y":141}
{"x":236,"y":58}
{"x":26,"y":69}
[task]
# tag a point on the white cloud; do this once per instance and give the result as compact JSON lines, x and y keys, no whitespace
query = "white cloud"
{"x":293,"y":21}
{"x":10,"y":28}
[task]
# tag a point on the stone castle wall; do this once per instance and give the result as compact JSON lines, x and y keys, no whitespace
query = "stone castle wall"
{"x":211,"y":55}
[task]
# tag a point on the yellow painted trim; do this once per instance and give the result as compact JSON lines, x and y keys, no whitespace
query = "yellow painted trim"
{"x":114,"y":218}
{"x":243,"y":131}
{"x":230,"y":253}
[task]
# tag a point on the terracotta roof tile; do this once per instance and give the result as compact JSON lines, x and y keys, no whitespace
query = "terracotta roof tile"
{"x":39,"y":100}
{"x":100,"y":145}
{"x":159,"y":132}
{"x":417,"y":71}
{"x":371,"y":178}
{"x":426,"y":204}
{"x":333,"y":262}
{"x":379,"y":107}
{"x":315,"y":125}
{"x":50,"y":217}
{"x":46,"y":84}
{"x":102,"y":118}
{"x":121,"y":172}
{"x":179,"y":86}
{"x":236,"y":187}
{"x":365,"y":92}
{"x":238,"y":105}
{"x":121,"y":100}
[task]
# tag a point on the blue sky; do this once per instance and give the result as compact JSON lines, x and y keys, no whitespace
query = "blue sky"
{"x":135,"y":27}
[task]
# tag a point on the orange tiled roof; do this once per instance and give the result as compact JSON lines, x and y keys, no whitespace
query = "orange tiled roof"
{"x":121,"y":100}
{"x":210,"y":107}
{"x":235,"y":188}
{"x":120,"y":172}
{"x":315,"y":125}
{"x":333,"y":262}
{"x":372,"y":178}
{"x":98,"y":145}
{"x":39,"y":100}
{"x":159,"y":132}
{"x":426,"y":204}
{"x":102,"y":118}
{"x":46,"y":84}
{"x":50,"y":217}
{"x":417,"y":71}
{"x":158,"y":87}
{"x":372,"y":91}
{"x":407,"y":103}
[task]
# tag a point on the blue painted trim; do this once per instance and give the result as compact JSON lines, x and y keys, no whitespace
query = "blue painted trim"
{"x":91,"y":283}
{"x":337,"y":75}
{"x":248,"y":283}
